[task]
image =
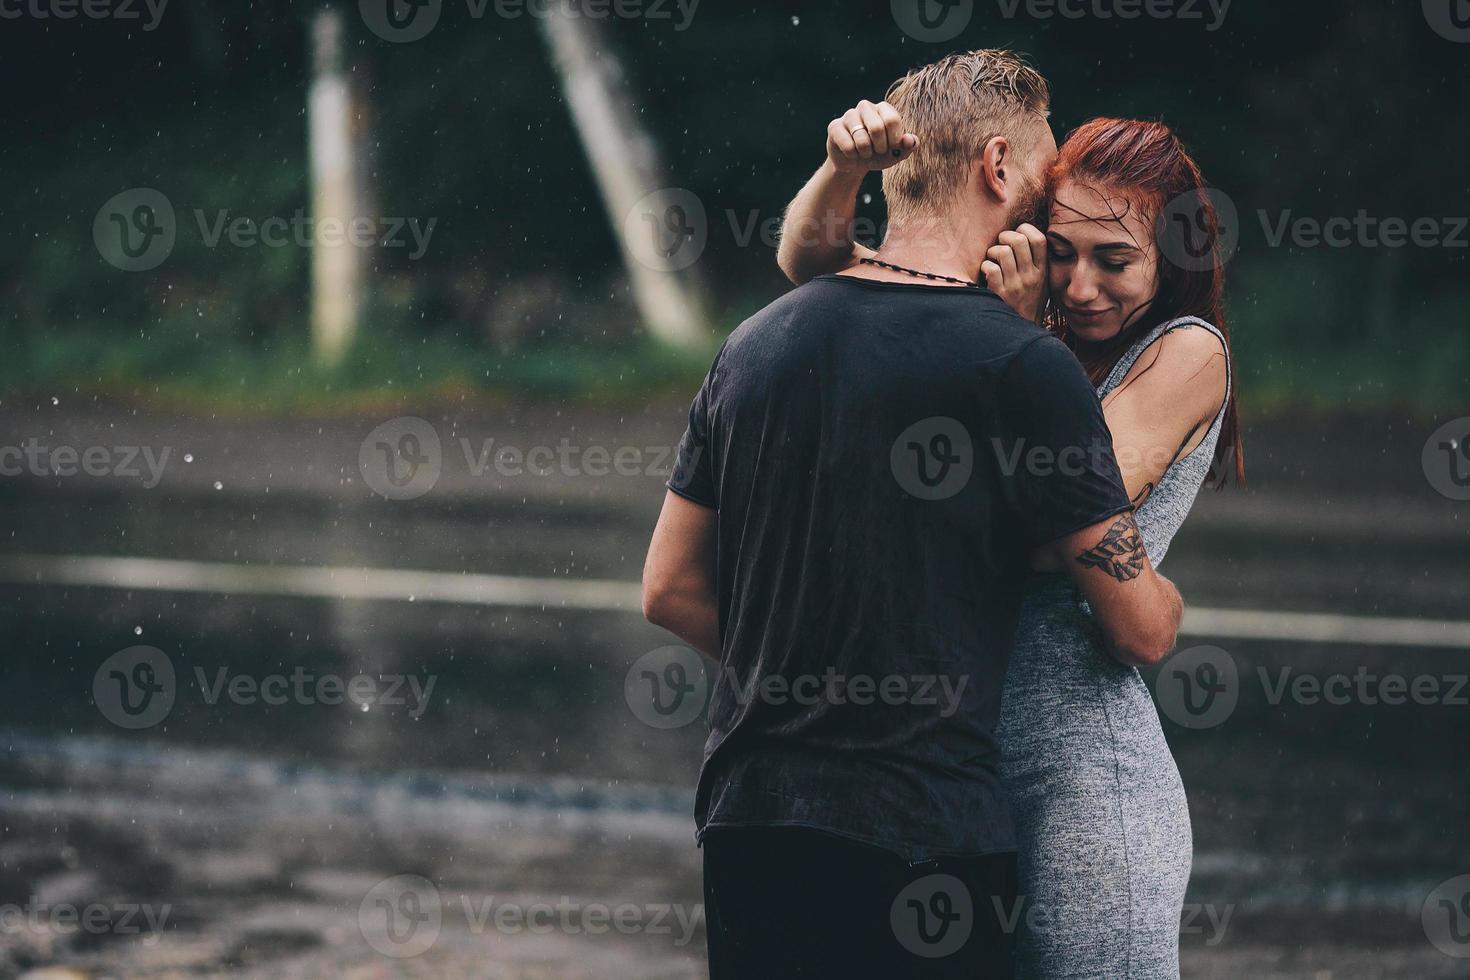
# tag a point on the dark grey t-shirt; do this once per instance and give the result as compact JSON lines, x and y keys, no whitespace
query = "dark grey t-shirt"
{"x":878,"y":457}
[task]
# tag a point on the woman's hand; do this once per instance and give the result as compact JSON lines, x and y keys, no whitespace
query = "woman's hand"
{"x":868,"y":137}
{"x":1015,"y":270}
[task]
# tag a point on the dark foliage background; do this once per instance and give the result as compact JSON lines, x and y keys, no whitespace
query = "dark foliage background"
{"x":1318,"y":108}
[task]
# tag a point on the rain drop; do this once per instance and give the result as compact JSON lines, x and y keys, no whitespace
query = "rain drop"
{"x":137,"y":631}
{"x":218,"y":485}
{"x":188,"y":457}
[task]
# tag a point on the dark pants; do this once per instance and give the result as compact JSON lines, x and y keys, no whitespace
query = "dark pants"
{"x":792,"y":902}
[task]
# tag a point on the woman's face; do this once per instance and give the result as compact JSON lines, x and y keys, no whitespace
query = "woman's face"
{"x":1104,"y":263}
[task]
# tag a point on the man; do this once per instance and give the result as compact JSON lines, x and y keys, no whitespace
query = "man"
{"x":845,"y":537}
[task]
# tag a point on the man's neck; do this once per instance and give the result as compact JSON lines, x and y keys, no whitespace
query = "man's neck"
{"x":949,"y":246}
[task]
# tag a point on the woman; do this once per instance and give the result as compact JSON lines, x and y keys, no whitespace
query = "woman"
{"x":1101,"y":817}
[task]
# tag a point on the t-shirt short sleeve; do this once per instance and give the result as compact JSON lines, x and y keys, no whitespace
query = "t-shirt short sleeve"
{"x":693,"y":477}
{"x":1060,"y":451}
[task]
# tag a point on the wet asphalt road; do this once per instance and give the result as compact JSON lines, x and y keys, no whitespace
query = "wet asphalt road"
{"x":1321,"y":828}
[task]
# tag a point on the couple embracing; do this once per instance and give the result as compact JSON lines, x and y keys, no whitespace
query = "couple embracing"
{"x":958,"y":458}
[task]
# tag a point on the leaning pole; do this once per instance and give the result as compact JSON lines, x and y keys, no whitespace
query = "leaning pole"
{"x":625,"y":162}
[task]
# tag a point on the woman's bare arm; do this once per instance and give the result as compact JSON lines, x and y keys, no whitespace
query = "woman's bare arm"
{"x":816,"y":233}
{"x":1160,"y":412}
{"x":1165,"y":405}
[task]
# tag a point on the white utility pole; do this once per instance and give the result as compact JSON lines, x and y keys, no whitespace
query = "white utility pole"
{"x":336,"y":263}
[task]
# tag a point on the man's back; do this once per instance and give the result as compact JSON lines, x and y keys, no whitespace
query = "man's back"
{"x":859,"y":440}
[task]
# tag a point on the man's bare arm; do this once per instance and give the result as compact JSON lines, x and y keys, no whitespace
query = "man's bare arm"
{"x":679,"y":575}
{"x":1138,"y":609}
{"x":816,"y":234}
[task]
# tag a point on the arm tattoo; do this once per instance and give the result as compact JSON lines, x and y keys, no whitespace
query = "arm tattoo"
{"x":1120,"y":553}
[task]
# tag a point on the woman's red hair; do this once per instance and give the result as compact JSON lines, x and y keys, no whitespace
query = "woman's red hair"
{"x":1146,"y":165}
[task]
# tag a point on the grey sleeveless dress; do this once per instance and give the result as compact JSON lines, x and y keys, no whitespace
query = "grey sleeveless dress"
{"x":1102,"y":825}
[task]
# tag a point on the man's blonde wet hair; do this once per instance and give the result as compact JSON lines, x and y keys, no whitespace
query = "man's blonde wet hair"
{"x":955,"y":106}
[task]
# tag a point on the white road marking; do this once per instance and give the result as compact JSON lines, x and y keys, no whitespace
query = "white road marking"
{"x":324,"y":582}
{"x":402,"y":585}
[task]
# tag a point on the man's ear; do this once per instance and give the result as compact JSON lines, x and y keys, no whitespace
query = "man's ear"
{"x":995,"y":167}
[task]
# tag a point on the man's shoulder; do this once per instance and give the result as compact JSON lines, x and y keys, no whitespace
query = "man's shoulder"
{"x":979,"y":315}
